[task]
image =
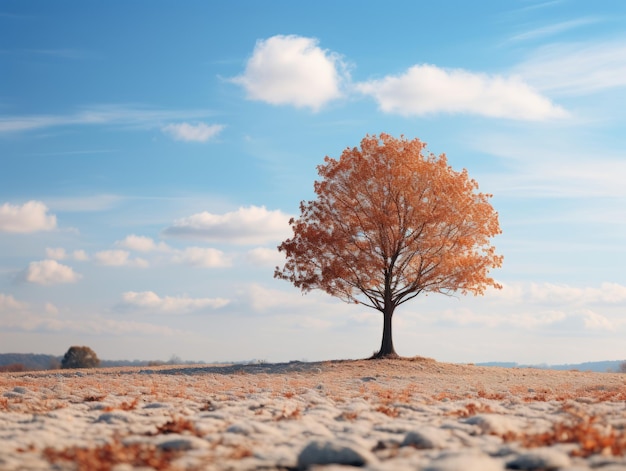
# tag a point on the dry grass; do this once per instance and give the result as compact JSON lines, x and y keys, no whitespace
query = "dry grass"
{"x":586,"y":431}
{"x":125,"y":406}
{"x":178,"y":425}
{"x":471,"y":409}
{"x":105,"y":457}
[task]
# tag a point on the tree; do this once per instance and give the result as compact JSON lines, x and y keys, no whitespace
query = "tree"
{"x":391,"y":222}
{"x":80,"y":357}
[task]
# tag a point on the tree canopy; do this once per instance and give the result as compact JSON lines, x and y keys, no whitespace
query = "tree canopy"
{"x":391,"y":221}
{"x":80,"y":357}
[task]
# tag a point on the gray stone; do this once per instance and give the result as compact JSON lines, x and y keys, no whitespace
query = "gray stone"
{"x":113,"y":417}
{"x":544,"y":459}
{"x":182,"y":443}
{"x":325,"y":452}
{"x":426,"y":438}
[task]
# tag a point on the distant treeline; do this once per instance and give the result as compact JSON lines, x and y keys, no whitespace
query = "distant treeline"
{"x":609,"y":366}
{"x":36,"y":361}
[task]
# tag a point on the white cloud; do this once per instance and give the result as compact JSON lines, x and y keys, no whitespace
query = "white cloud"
{"x":142,"y":244}
{"x":170,"y":304}
{"x":293,"y":70}
{"x":56,"y":253}
{"x":202,"y":257}
{"x":51,"y":309}
{"x":427,"y":89}
{"x":9,"y":303}
{"x":119,"y":258}
{"x":30,"y":217}
{"x":59,"y":253}
{"x":263,"y":256}
{"x":80,"y":255}
{"x":199,"y":132}
{"x":49,"y":272}
{"x":577,"y":68}
{"x":252,"y":225}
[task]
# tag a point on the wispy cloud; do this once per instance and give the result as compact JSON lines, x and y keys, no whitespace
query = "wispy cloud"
{"x":202,"y":257}
{"x":540,"y":167}
{"x":251,"y":225}
{"x":199,"y":132}
{"x":84,"y":203}
{"x":293,"y":70}
{"x":578,"y":68}
{"x":263,"y":256}
{"x":170,"y":304}
{"x":113,"y":114}
{"x":9,"y":304}
{"x":554,"y":29}
{"x":27,"y":321}
{"x":427,"y":89}
{"x":30,"y":217}
{"x":546,"y":308}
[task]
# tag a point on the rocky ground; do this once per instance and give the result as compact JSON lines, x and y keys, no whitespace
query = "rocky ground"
{"x":381,"y":415}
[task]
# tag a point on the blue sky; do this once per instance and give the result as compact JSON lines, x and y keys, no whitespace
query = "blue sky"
{"x":152,"y":153}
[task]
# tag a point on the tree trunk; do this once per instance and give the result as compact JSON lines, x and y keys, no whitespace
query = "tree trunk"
{"x":386,"y":346}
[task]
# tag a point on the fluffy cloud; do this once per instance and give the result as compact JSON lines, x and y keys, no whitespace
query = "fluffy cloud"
{"x":119,"y":258}
{"x":202,"y":257}
{"x":30,"y":217}
{"x":252,"y":225}
{"x":199,"y":132}
{"x":50,"y":272}
{"x":427,"y":89}
{"x":142,"y":244}
{"x":292,"y":70}
{"x":170,"y":304}
{"x":59,"y":253}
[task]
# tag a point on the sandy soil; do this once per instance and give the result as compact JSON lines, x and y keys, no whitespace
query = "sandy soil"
{"x":414,"y":414}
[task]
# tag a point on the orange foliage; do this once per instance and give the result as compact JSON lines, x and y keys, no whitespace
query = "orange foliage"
{"x":390,"y":222}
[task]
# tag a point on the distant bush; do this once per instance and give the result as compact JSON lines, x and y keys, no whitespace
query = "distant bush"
{"x":80,"y":357}
{"x":12,"y":368}
{"x":622,"y":367}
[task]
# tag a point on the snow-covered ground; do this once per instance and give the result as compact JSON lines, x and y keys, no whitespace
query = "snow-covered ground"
{"x":382,"y":415}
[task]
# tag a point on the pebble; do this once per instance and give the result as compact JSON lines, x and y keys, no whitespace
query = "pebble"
{"x":326,"y":452}
{"x":426,"y":438}
{"x":543,"y":459}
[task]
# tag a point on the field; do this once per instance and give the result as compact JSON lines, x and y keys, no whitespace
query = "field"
{"x":415,"y":414}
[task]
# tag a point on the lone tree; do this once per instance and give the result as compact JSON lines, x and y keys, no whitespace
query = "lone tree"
{"x":80,"y":357}
{"x":389,"y":223}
